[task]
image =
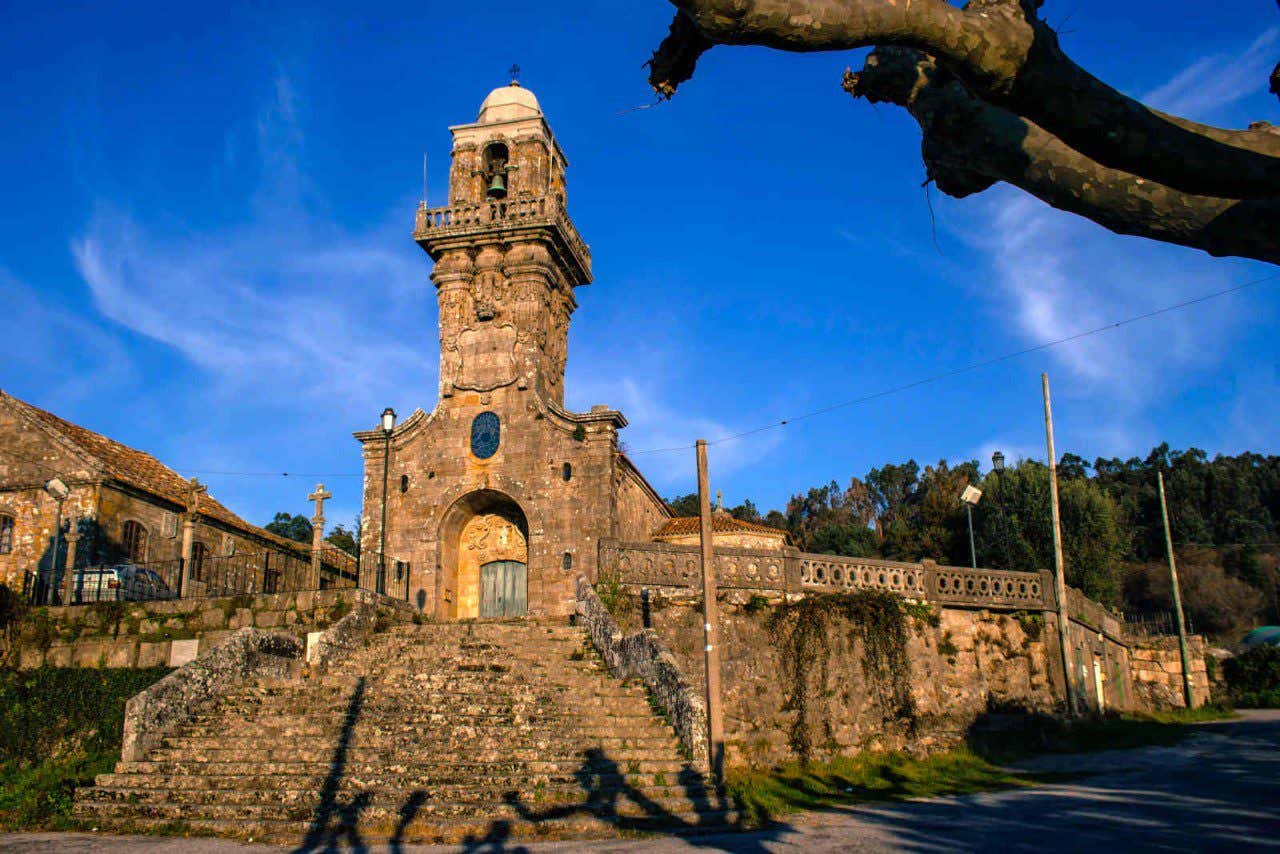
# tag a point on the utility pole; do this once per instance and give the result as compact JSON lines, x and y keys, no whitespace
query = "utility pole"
{"x":711,"y":623}
{"x":1177,"y":597}
{"x":1059,"y":572}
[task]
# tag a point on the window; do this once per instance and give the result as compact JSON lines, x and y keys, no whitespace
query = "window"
{"x":404,"y":483}
{"x":135,"y":541}
{"x":566,"y":561}
{"x":199,"y":554}
{"x":567,"y":472}
{"x":6,"y":534}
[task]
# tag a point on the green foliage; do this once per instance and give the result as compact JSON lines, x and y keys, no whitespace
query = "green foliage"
{"x":922,"y":613}
{"x":802,"y":633}
{"x":59,"y":727}
{"x":762,"y":796}
{"x":685,"y":505}
{"x":341,"y":538}
{"x":947,"y":647}
{"x":579,"y":433}
{"x":1032,"y":624}
{"x":756,"y":603}
{"x":297,"y":528}
{"x":609,"y":589}
{"x":1253,"y":677}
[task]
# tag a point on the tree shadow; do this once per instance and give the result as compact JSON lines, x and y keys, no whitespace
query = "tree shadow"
{"x":334,"y":823}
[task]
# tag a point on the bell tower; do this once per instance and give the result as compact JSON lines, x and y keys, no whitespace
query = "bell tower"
{"x":507,"y":256}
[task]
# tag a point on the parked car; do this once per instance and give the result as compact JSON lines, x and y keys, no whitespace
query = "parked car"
{"x":124,"y":582}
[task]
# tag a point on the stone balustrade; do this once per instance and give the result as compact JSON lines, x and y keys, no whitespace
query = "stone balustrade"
{"x":520,"y":211}
{"x":792,"y":572}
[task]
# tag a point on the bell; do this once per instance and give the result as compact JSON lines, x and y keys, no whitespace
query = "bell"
{"x":497,"y":186}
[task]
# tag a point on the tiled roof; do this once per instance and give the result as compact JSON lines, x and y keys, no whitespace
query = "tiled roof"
{"x":140,"y":470}
{"x":721,"y":523}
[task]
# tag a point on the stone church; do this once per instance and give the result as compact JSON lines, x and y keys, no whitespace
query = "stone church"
{"x":499,"y":497}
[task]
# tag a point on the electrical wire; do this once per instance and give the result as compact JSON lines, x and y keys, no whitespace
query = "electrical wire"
{"x":967,"y":368}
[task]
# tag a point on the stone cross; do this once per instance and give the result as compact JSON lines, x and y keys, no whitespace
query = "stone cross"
{"x":317,"y":526}
{"x":319,"y":497}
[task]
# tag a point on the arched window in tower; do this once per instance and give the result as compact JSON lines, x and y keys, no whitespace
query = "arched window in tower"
{"x":496,"y":157}
{"x":566,"y":472}
{"x":135,"y":541}
{"x":404,"y":483}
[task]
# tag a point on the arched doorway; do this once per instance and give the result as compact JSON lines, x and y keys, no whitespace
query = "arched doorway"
{"x":484,"y":541}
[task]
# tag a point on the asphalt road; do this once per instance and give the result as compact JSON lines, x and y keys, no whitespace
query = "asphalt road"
{"x":1217,"y":791}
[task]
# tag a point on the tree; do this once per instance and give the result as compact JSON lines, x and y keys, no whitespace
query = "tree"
{"x":297,"y":528}
{"x":341,"y":538}
{"x":997,"y":99}
{"x":685,"y":505}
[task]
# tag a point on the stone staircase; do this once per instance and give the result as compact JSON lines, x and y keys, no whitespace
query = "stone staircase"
{"x":462,"y":732}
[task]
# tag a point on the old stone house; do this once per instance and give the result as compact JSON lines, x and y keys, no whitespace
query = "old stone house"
{"x":125,"y":503}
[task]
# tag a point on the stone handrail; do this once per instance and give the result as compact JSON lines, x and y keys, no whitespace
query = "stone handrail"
{"x":520,"y":210}
{"x":154,"y":713}
{"x":793,"y":572}
{"x":643,"y":656}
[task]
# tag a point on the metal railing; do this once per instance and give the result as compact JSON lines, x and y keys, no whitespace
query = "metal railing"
{"x":1157,"y":624}
{"x":246,"y":573}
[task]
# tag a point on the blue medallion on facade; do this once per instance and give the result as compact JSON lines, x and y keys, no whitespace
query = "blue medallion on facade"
{"x":486,"y":433}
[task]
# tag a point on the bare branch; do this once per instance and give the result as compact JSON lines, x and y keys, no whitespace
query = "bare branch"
{"x":1006,"y":56}
{"x":968,"y":145}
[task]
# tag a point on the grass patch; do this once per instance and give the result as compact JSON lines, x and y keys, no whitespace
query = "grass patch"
{"x":59,"y":727}
{"x":762,"y":796}
{"x":1037,"y":734}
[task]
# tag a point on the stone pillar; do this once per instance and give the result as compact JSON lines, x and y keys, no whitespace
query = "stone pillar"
{"x":68,"y":581}
{"x":194,"y":488}
{"x":317,"y":530}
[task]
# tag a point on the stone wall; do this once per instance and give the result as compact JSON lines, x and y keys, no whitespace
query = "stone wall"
{"x":1156,"y":665}
{"x":639,"y":511}
{"x":962,"y":665}
{"x":147,"y":634}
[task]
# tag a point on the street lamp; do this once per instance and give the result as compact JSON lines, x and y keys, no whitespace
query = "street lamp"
{"x":970,"y":497}
{"x":997,"y":462}
{"x":388,"y":425}
{"x":58,"y":491}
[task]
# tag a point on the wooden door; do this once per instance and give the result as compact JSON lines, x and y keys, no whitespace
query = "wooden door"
{"x":504,"y":586}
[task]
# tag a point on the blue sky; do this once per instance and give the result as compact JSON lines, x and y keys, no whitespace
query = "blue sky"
{"x":206,"y":250}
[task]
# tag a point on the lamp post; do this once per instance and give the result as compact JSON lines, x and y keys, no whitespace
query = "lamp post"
{"x":58,"y":491}
{"x":969,"y":498}
{"x":997,"y":465}
{"x":388,"y":424}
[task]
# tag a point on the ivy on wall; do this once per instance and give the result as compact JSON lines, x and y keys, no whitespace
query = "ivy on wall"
{"x":802,"y":631}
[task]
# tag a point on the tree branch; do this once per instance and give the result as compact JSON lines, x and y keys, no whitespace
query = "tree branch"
{"x":969,"y":145}
{"x":1006,"y":56}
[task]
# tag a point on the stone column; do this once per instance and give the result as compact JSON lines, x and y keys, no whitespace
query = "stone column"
{"x":72,"y":537}
{"x":194,"y":488}
{"x":317,"y":530}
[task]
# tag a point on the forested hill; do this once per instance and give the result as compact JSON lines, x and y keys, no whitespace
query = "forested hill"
{"x":1225,"y":517}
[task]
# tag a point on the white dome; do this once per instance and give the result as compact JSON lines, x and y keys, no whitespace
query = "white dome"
{"x":507,"y":103}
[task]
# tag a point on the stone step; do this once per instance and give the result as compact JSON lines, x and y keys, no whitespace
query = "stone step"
{"x":408,"y":732}
{"x":486,"y":750}
{"x":515,"y":775}
{"x":407,"y":766}
{"x":476,"y":795}
{"x":419,"y":709}
{"x":603,"y":804}
{"x":333,"y":832}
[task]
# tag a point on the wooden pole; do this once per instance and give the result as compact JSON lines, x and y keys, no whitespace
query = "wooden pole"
{"x":1059,"y":572}
{"x":1177,"y":598}
{"x":711,"y":623}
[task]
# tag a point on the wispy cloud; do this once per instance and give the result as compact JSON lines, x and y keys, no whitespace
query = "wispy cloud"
{"x":1216,"y":81}
{"x":1055,"y":275}
{"x":284,"y":300}
{"x":655,"y":428}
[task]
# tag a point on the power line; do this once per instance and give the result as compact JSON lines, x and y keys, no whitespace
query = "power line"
{"x":967,"y":368}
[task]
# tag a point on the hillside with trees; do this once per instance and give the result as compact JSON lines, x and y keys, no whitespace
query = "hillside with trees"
{"x":1224,"y":514}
